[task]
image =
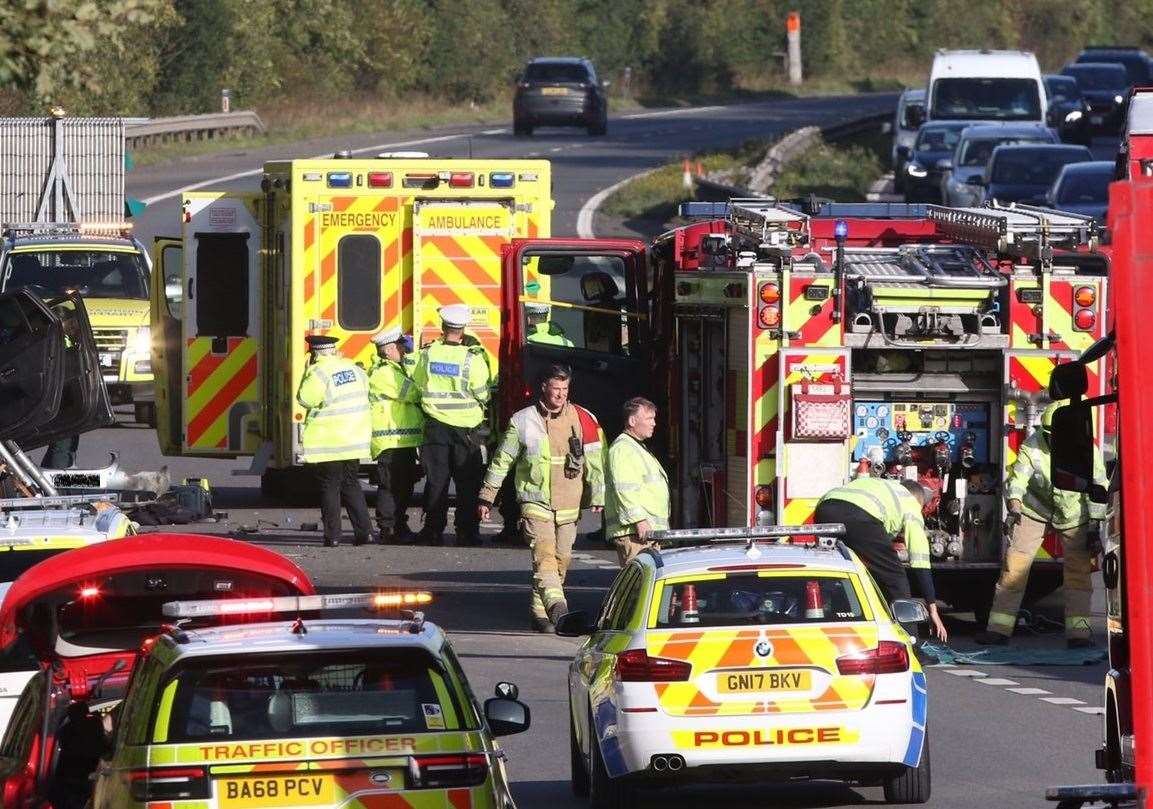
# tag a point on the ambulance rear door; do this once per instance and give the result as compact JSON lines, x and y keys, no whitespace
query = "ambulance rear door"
{"x":595,"y":320}
{"x":456,"y":259}
{"x":221,"y":323}
{"x":167,"y":310}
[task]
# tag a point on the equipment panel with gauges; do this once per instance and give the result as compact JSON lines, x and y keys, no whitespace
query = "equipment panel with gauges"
{"x":882,"y":426}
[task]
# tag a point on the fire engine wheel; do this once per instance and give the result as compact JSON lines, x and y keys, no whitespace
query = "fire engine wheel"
{"x":580,"y":770}
{"x":606,"y":792}
{"x":912,"y":784}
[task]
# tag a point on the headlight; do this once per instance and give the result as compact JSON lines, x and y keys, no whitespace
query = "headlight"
{"x":915,"y":170}
{"x":142,"y":341}
{"x":1073,"y":117}
{"x":1119,"y":99}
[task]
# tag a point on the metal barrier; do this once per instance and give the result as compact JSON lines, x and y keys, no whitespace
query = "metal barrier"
{"x":182,"y":128}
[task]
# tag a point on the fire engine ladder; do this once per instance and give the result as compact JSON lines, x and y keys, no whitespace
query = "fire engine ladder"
{"x":769,"y":223}
{"x":1020,"y":231}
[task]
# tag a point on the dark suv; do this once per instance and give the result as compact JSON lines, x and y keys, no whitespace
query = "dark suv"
{"x":560,"y":91}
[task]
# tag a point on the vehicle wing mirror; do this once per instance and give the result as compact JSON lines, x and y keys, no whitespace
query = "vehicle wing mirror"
{"x":1071,"y":452}
{"x":887,"y":128}
{"x":506,"y":690}
{"x":1068,"y":380}
{"x":915,"y":116}
{"x":575,"y":624}
{"x":909,"y":611}
{"x":506,"y":716}
{"x":976,"y":179}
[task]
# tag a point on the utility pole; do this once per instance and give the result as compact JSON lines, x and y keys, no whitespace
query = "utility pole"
{"x":793,"y":29}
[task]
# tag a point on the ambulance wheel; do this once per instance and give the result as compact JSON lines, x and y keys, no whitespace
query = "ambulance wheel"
{"x":912,"y":784}
{"x":606,"y":792}
{"x":580,"y":771}
{"x":145,"y":413}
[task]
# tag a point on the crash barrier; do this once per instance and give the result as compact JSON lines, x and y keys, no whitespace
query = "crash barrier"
{"x":756,"y":182}
{"x":181,"y":128}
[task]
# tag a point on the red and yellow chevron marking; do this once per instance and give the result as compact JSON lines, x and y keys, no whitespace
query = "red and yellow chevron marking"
{"x":217,"y":382}
{"x":461,"y":269}
{"x":792,"y":647}
{"x":811,"y":320}
{"x":1058,"y":315}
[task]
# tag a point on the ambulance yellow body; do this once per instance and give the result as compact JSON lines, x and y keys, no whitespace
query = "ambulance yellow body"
{"x":343,"y":247}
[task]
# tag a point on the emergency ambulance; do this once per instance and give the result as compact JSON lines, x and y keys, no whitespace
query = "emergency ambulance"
{"x":791,"y":349}
{"x":308,"y":712}
{"x":62,"y":229}
{"x":746,"y":656}
{"x":342,"y":247}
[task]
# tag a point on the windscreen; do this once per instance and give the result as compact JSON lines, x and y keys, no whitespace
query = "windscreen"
{"x":764,"y":600}
{"x":987,"y":98}
{"x":92,"y":273}
{"x":1107,"y":78}
{"x":1063,"y":88}
{"x":978,"y":151}
{"x":556,"y":71}
{"x":1031,"y":166}
{"x":937,"y":139}
{"x":1136,"y":65}
{"x":1085,"y":188}
{"x":303,"y":694}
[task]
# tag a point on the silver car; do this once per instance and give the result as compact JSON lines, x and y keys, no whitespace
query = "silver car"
{"x":960,"y":185}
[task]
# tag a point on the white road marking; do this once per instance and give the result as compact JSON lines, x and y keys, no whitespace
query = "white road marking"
{"x":556,"y":148}
{"x":1091,"y":710}
{"x":967,"y":673}
{"x":1029,"y":692}
{"x":494,"y":131}
{"x":665,"y":113}
{"x":1062,"y":701}
{"x":996,"y":681}
{"x":589,"y":209}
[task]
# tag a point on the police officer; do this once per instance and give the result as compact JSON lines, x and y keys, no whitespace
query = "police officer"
{"x":556,"y":449}
{"x":875,"y":512}
{"x":1035,"y":508}
{"x":397,"y":430}
{"x":452,"y":377}
{"x":335,"y":435}
{"x":541,"y":329}
{"x":637,"y":490}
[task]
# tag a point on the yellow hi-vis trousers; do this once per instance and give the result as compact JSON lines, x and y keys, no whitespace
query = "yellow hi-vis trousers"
{"x":1023,"y":547}
{"x":551,"y":547}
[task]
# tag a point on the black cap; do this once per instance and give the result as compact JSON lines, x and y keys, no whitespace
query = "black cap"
{"x":320,"y":341}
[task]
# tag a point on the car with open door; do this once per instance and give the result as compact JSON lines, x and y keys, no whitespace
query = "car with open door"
{"x":80,"y":619}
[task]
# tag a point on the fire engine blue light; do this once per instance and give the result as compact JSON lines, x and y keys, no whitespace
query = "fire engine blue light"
{"x":340,"y":179}
{"x":841,"y":229}
{"x":501,"y":179}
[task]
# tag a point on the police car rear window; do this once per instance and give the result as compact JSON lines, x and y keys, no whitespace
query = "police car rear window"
{"x":749,"y":598}
{"x":314,"y":694}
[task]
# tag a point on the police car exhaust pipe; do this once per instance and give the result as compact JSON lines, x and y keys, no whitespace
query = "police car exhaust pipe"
{"x":676,"y":763}
{"x":660,"y":764}
{"x":667,"y":764}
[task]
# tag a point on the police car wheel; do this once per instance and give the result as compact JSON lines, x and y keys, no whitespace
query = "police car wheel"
{"x":606,"y":792}
{"x":912,"y":784}
{"x":580,"y":771}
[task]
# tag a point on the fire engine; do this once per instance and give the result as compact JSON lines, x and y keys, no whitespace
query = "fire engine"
{"x":797,"y":348}
{"x":339,"y":246}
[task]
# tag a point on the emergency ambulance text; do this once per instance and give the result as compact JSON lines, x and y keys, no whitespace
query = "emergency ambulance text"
{"x":354,"y":219}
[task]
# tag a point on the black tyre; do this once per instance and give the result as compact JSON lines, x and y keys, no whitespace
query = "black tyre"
{"x":580,"y":772}
{"x":145,"y":413}
{"x":606,"y":792}
{"x":912,"y":784}
{"x":600,"y":128}
{"x":522,"y":128}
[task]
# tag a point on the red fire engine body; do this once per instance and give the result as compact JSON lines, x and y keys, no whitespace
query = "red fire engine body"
{"x":790,"y":351}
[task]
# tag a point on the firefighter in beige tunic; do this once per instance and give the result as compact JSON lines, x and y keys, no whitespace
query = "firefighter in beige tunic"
{"x":557,"y":451}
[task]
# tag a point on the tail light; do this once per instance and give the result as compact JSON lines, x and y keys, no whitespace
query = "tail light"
{"x":764,"y":497}
{"x":19,"y":787}
{"x":1085,"y":296}
{"x":770,"y":293}
{"x":447,"y":771}
{"x":1084,"y":320}
{"x":380,"y":179}
{"x":635,"y":666}
{"x":769,"y":317}
{"x":889,"y":657}
{"x":169,"y":784}
{"x":1084,"y":301}
{"x":460,"y":179}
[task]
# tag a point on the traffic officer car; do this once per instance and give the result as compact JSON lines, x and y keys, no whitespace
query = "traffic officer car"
{"x":746,"y":654}
{"x":308,"y":712}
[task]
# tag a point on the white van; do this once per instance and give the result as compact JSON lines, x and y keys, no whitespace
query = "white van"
{"x":986,"y":86}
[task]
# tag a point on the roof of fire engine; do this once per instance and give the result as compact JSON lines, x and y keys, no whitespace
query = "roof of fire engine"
{"x":678,"y":561}
{"x":455,"y":315}
{"x":387,"y":336}
{"x":145,"y":552}
{"x":326,"y":633}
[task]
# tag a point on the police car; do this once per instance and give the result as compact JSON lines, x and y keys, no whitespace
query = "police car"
{"x":310,"y":712}
{"x":746,"y":655}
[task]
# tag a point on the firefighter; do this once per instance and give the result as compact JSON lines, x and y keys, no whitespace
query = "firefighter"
{"x":453,"y":379}
{"x":637,"y":492}
{"x":1035,"y":508}
{"x":556,"y":449}
{"x":397,"y":430}
{"x":336,"y":434}
{"x":541,"y":329}
{"x":875,"y":513}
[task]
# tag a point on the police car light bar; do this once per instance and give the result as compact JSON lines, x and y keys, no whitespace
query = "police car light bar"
{"x":823,"y":535}
{"x":296,"y":604}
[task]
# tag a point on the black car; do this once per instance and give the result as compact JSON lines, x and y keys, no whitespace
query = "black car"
{"x":1137,"y":63}
{"x":1024,"y":173}
{"x":560,"y":91}
{"x":1068,"y":111}
{"x":923,"y":171}
{"x":1105,"y":86}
